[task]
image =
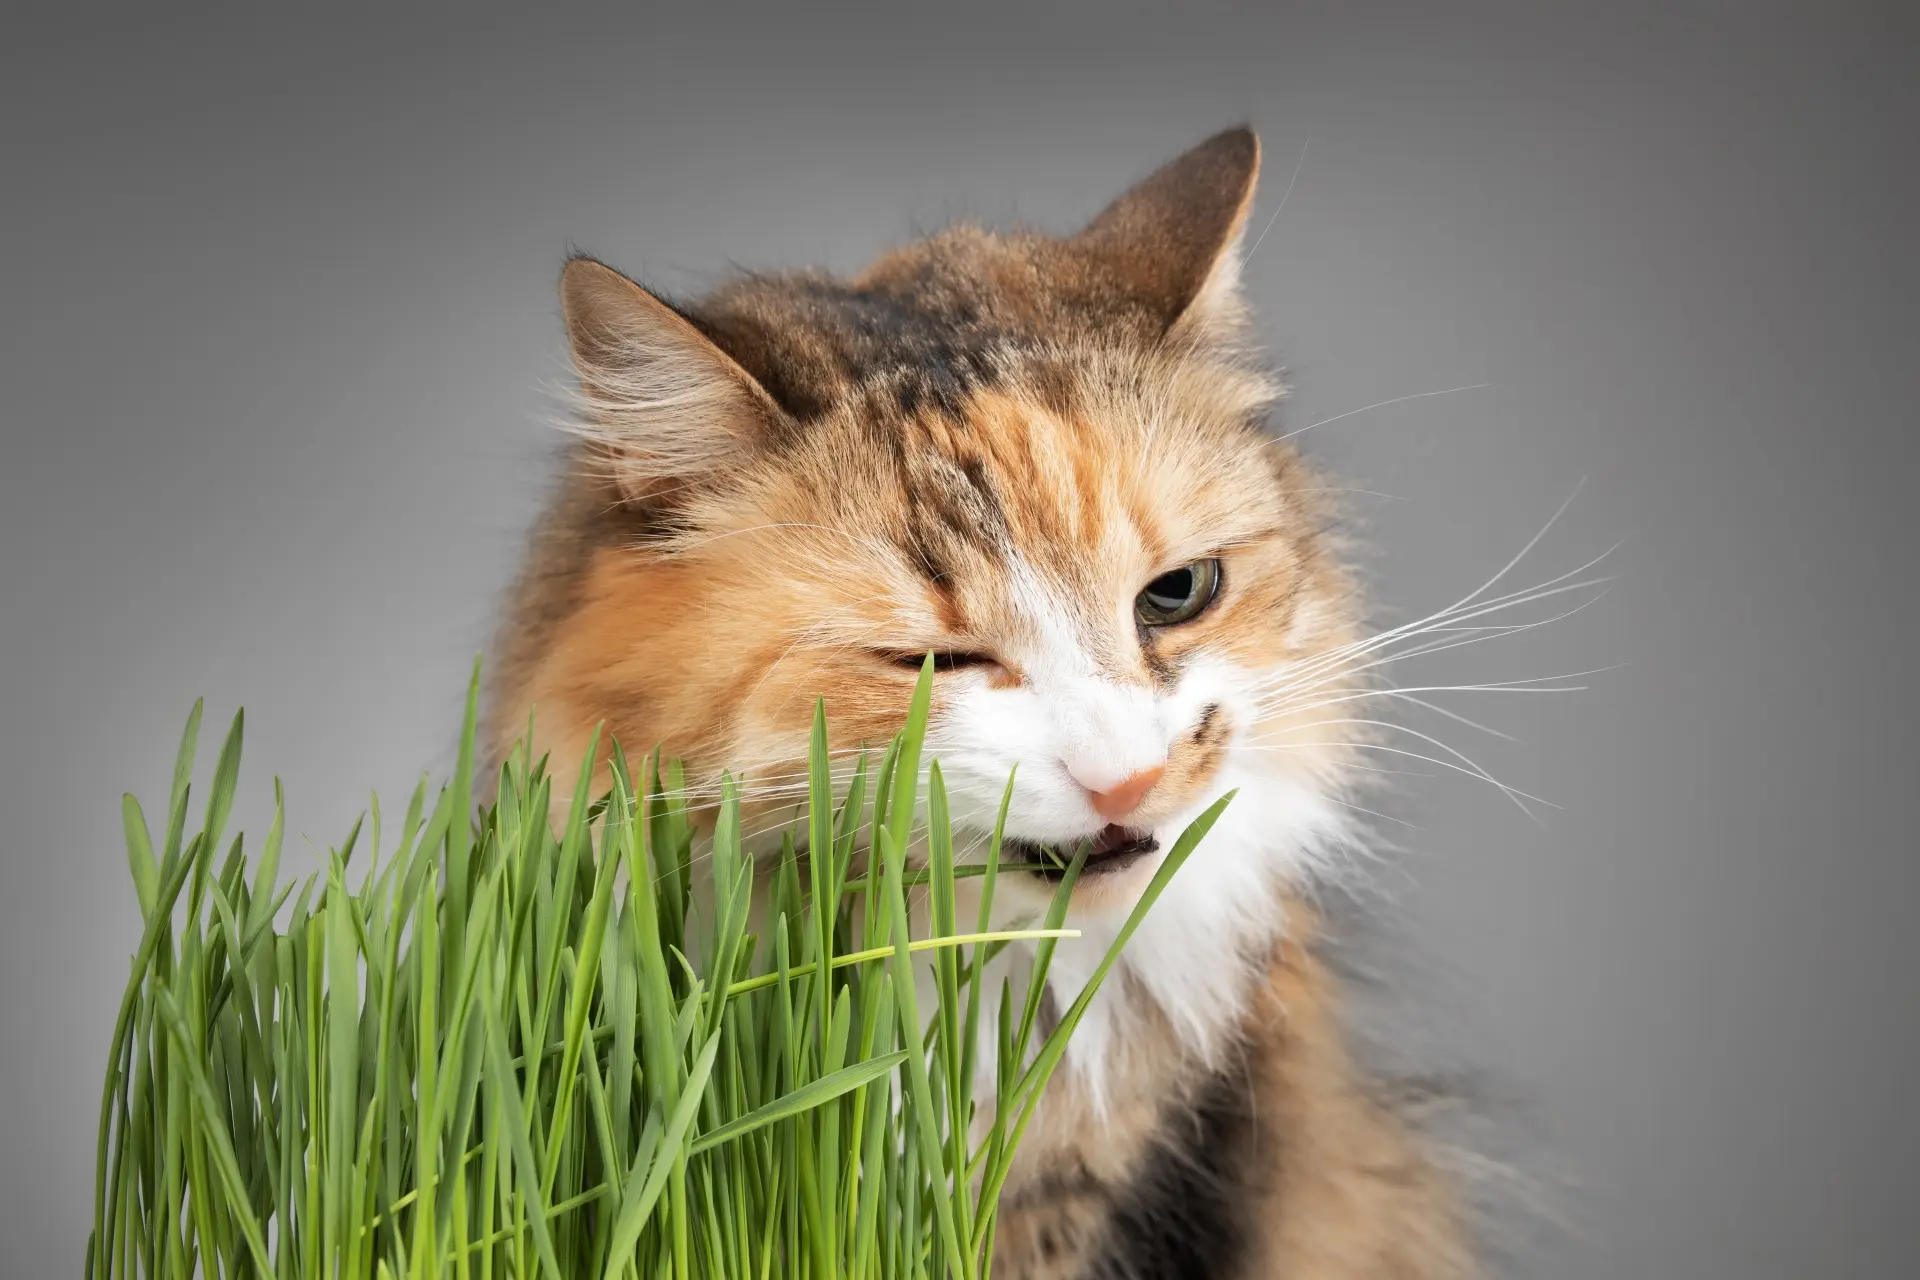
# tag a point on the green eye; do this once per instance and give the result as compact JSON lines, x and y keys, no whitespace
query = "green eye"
{"x":1178,"y":595}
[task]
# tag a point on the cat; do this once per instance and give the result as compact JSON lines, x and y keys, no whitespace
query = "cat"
{"x":1047,"y":461}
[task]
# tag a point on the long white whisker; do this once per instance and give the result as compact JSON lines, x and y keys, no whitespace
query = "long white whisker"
{"x":1512,"y":793}
{"x":805,"y":636}
{"x":1276,"y":690}
{"x":1378,"y":404}
{"x":1278,"y":209}
{"x":1458,"y":612}
{"x":1453,"y":715}
{"x":1478,"y":635}
{"x":1338,"y":657}
{"x":1532,"y":542}
{"x":1283,"y":707}
{"x":1371,"y":813}
{"x":1473,"y":766}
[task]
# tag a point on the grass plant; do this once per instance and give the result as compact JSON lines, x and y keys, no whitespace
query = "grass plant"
{"x":506,"y":1045}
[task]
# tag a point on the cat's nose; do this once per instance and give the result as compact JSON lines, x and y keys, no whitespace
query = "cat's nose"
{"x":1121,"y":799}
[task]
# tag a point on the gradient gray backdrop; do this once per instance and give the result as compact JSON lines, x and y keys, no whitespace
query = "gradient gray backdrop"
{"x":278,"y":309}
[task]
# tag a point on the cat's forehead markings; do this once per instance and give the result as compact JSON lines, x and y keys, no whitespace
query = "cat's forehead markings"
{"x":1044,"y":477}
{"x":952,"y":513}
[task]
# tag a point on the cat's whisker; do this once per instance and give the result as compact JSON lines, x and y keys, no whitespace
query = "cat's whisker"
{"x":1370,"y":493}
{"x":1534,"y":541}
{"x":791,"y":766}
{"x":1337,"y":660}
{"x":1371,"y":813}
{"x":1378,"y":404}
{"x":708,"y":799}
{"x":1281,"y":207}
{"x":1283,"y":708}
{"x":1447,"y":619}
{"x":1447,"y":639}
{"x":1465,"y":764}
{"x":804,"y":637}
{"x":1284,"y":704}
{"x":1299,"y":713}
{"x":1459,"y":611}
{"x":1350,"y":766}
{"x":1455,"y":716}
{"x":1513,"y":794}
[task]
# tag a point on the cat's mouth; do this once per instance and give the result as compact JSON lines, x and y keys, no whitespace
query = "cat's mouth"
{"x":1115,"y":848}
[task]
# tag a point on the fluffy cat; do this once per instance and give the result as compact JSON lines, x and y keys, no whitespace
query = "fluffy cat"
{"x":1046,"y":460}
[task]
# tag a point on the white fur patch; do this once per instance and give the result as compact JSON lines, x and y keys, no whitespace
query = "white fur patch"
{"x":1196,"y":952}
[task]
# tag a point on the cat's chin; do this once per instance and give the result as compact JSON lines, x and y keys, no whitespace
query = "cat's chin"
{"x":1115,"y":849}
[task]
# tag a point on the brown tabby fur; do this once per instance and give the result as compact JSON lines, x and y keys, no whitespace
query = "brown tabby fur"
{"x":779,"y":486}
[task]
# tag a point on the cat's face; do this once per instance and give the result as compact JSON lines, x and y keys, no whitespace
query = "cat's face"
{"x":1050,"y":473}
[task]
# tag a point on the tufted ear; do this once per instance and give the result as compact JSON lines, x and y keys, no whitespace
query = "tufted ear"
{"x":663,"y":403}
{"x":1171,"y":242}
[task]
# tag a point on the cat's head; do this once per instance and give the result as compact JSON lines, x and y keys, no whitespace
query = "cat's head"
{"x":1043,"y":459}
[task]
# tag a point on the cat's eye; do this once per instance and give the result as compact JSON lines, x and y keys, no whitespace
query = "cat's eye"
{"x":1178,"y":595}
{"x":942,"y":660}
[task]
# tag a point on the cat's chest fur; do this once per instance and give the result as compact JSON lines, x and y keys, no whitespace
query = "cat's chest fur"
{"x":1272,"y":1160}
{"x":1152,"y":1180}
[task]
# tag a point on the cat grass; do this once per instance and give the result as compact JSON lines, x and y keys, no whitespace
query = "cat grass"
{"x":510,"y":1046}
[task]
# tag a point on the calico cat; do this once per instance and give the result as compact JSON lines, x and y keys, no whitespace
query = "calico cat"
{"x":1045,"y":460}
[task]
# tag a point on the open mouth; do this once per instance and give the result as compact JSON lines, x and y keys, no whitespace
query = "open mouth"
{"x":1115,"y":848}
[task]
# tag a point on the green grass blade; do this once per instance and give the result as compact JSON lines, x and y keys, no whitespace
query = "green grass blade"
{"x":805,"y":1098}
{"x":500,"y":1079}
{"x":140,"y":859}
{"x":644,"y":1193}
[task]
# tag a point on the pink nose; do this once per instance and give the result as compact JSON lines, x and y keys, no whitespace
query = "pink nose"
{"x":1117,"y":802}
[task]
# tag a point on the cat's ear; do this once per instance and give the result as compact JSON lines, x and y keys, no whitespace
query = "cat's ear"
{"x":1171,"y":242}
{"x":660,"y":400}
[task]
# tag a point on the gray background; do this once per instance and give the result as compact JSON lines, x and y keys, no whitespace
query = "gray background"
{"x":278,"y":314}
